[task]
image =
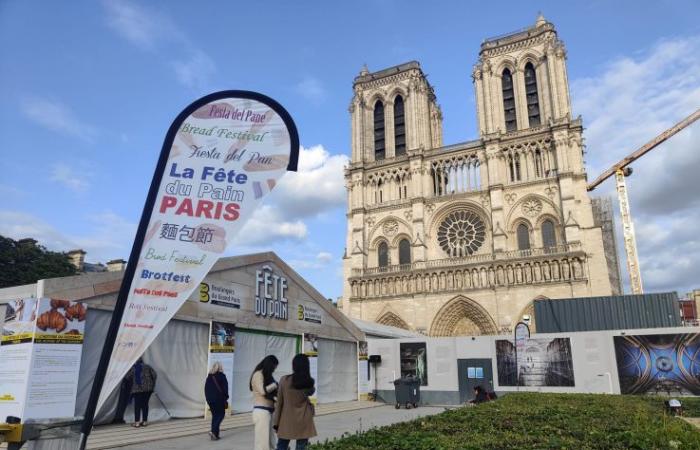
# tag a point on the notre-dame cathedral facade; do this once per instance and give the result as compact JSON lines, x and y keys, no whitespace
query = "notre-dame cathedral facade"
{"x":460,"y":239}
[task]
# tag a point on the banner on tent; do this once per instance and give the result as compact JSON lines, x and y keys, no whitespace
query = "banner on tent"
{"x":222,"y":349}
{"x":309,"y":314}
{"x":311,"y":350}
{"x":219,"y":295}
{"x":40,"y":358}
{"x":363,"y":370}
{"x":221,"y":156}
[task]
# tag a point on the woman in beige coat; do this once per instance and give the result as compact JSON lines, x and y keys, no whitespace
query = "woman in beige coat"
{"x":264,"y":388}
{"x":294,"y":414}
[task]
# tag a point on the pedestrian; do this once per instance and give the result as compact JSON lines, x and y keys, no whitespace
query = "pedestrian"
{"x":294,"y":413}
{"x":123,"y":402}
{"x":264,"y":388}
{"x":143,"y":383}
{"x":480,"y":396}
{"x":216,"y":393}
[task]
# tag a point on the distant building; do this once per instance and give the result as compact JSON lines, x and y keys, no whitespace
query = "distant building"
{"x":77,"y":258}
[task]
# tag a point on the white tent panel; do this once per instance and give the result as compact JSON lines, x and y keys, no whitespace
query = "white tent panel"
{"x":337,"y":371}
{"x":251,"y":348}
{"x":178,"y":355}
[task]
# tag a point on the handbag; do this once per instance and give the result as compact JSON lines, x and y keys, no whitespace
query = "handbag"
{"x":218,"y":388}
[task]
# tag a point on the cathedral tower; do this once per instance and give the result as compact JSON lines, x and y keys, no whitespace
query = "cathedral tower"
{"x":460,"y":239}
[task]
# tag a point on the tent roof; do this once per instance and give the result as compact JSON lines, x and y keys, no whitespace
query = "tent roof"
{"x":373,"y":329}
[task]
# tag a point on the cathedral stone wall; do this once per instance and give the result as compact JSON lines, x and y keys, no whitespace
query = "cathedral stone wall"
{"x":460,"y":239}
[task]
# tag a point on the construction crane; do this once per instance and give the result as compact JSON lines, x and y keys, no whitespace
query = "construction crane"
{"x":621,"y":170}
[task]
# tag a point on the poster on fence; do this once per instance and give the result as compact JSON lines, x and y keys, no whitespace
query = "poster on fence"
{"x":222,"y":346}
{"x":311,"y":350}
{"x":666,"y":364}
{"x":363,"y":370}
{"x":542,"y":362}
{"x":40,"y":358}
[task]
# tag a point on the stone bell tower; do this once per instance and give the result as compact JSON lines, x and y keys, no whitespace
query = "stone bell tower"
{"x":460,"y":239}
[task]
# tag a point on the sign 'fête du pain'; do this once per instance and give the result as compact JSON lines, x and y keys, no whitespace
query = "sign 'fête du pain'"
{"x":222,"y":155}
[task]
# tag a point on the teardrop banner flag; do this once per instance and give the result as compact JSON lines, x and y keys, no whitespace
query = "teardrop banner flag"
{"x":222,"y":155}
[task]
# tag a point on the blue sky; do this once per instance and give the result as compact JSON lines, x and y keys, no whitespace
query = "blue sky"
{"x":89,"y":88}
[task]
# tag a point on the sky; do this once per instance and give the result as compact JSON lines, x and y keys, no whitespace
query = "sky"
{"x":89,"y":88}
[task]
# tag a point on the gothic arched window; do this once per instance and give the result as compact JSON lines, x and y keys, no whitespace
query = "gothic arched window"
{"x":404,"y":252}
{"x":508,"y":100}
{"x":533,"y":103}
{"x":399,"y":127}
{"x":523,"y":237}
{"x":383,"y":255}
{"x":549,"y":238}
{"x":378,"y":131}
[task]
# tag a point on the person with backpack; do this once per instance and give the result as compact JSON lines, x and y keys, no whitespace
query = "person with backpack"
{"x":294,"y":415}
{"x":264,"y":388}
{"x":216,"y":394}
{"x":143,"y":382}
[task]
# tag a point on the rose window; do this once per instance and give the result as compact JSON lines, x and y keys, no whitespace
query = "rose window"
{"x":461,"y":233}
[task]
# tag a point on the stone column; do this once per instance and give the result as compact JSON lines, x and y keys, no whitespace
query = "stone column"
{"x":520,"y":99}
{"x":389,"y":144}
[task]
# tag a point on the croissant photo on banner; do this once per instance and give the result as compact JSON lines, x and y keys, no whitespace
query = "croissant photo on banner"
{"x":221,"y":156}
{"x":667,"y":364}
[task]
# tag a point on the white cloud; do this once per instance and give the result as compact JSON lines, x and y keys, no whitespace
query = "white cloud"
{"x":140,"y":27}
{"x":268,"y":226}
{"x":324,"y":257}
{"x":57,"y":117}
{"x":110,"y":236}
{"x":65,"y":175}
{"x":153,"y":31}
{"x":194,"y":71}
{"x":632,"y":100}
{"x":317,"y":187}
{"x":312,"y":90}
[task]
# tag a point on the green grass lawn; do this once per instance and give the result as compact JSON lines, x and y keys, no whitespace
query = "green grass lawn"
{"x":539,"y":421}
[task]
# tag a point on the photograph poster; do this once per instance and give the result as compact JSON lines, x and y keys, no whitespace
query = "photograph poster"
{"x":414,"y":361}
{"x":16,"y":355}
{"x":222,"y":346}
{"x":363,"y":370}
{"x":40,"y":358}
{"x":311,"y":350}
{"x":667,"y":364}
{"x":541,"y":362}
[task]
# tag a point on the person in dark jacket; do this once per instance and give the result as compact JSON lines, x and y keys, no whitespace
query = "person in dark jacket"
{"x":124,"y":399}
{"x":143,"y":382}
{"x":216,"y":393}
{"x":480,"y":396}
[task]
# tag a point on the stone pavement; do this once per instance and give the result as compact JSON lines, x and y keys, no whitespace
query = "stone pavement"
{"x":329,"y":426}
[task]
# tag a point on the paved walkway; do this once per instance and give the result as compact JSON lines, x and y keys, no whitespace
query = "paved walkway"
{"x":329,"y":426}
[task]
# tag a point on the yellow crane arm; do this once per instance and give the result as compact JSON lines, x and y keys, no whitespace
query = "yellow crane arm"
{"x":645,"y":148}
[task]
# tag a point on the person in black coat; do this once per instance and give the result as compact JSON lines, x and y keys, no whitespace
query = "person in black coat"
{"x":216,"y":393}
{"x":480,"y":396}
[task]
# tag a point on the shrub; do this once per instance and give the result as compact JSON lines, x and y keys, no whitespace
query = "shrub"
{"x":537,"y":421}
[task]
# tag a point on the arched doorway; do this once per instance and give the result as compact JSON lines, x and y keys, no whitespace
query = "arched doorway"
{"x":392,"y":320}
{"x":462,"y":316}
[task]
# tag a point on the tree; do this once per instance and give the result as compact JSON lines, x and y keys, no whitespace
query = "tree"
{"x":25,"y":262}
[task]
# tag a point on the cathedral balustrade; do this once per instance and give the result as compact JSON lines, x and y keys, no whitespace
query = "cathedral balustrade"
{"x":563,"y":263}
{"x":455,"y":172}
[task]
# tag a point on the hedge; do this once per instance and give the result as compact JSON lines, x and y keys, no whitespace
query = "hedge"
{"x":538,"y":421}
